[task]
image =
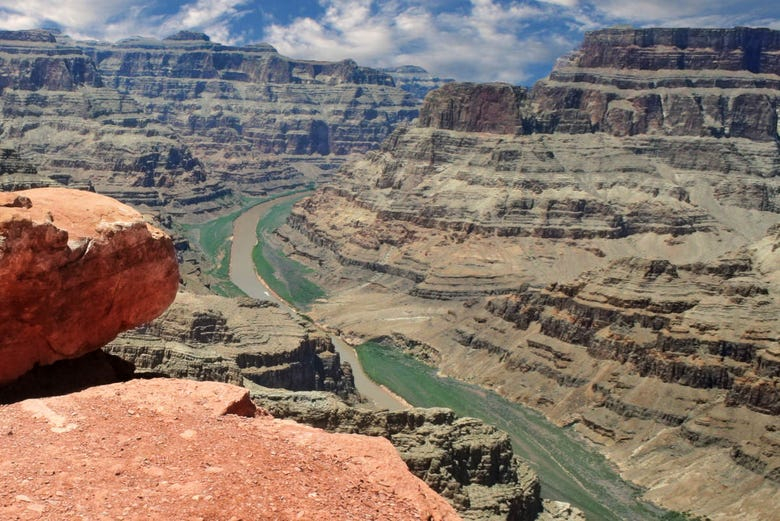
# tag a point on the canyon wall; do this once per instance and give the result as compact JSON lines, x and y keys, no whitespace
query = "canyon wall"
{"x":206,"y":337}
{"x":602,"y":246}
{"x":181,"y":126}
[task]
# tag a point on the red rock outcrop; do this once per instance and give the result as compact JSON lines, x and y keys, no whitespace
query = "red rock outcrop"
{"x":474,"y":107}
{"x":76,"y":268}
{"x":177,"y":449}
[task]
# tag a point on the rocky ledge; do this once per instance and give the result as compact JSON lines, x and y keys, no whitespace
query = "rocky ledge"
{"x":468,"y":462}
{"x":176,"y":449}
{"x":72,"y":266}
{"x":207,"y":337}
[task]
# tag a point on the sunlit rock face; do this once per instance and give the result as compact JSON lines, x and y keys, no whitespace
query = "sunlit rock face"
{"x":76,"y":268}
{"x":170,"y":449}
{"x":182,"y":125}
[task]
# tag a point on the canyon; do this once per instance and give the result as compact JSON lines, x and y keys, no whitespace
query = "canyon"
{"x":209,"y":138}
{"x":602,"y":246}
{"x":72,"y":286}
{"x":185,"y":126}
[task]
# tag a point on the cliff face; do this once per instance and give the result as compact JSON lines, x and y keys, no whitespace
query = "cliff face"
{"x":738,"y":49}
{"x":170,"y":449}
{"x":69,"y":125}
{"x":601,"y":246}
{"x":678,"y":82}
{"x":193,"y":56}
{"x":72,"y":265}
{"x":25,"y":67}
{"x":255,"y":97}
{"x":178,"y":126}
{"x":206,"y":337}
{"x":626,"y":82}
{"x":474,"y":108}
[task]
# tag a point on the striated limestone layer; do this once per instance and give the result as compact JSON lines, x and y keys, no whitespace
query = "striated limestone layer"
{"x":626,"y":82}
{"x":207,"y":337}
{"x":602,"y":246}
{"x":177,"y":449}
{"x":84,"y":133}
{"x":240,"y":109}
{"x":76,"y":269}
{"x":459,"y":214}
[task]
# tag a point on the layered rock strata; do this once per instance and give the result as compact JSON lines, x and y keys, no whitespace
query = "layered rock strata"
{"x":234,"y":105}
{"x":469,"y":463}
{"x":58,"y":113}
{"x":206,"y":337}
{"x":179,"y":126}
{"x":625,"y":82}
{"x":168,"y":449}
{"x":416,"y":80}
{"x":602,"y":246}
{"x":72,"y":267}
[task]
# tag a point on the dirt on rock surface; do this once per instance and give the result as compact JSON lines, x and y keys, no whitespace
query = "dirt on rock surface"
{"x":178,"y":449}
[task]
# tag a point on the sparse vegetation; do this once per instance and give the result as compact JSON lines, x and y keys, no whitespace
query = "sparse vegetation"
{"x":213,"y":237}
{"x":683,"y":516}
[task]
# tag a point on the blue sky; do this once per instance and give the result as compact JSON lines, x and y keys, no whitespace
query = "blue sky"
{"x":477,"y":40}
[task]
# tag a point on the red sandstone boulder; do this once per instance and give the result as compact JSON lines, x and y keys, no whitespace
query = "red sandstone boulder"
{"x":178,"y":449}
{"x":76,"y":268}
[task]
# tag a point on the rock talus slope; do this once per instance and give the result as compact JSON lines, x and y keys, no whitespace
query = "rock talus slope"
{"x":76,"y":269}
{"x":178,"y":449}
{"x":602,"y":246}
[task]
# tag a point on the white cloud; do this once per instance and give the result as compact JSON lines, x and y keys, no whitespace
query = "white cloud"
{"x":116,"y":19}
{"x":486,"y":43}
{"x":484,"y":40}
{"x":71,"y":13}
{"x":16,"y":22}
{"x":564,"y":3}
{"x":688,"y":13}
{"x":210,"y":16}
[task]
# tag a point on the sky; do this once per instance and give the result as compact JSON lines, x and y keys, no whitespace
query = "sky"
{"x":478,"y":40}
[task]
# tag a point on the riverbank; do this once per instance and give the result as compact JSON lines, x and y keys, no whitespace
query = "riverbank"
{"x":244,"y":275}
{"x":567,"y":470}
